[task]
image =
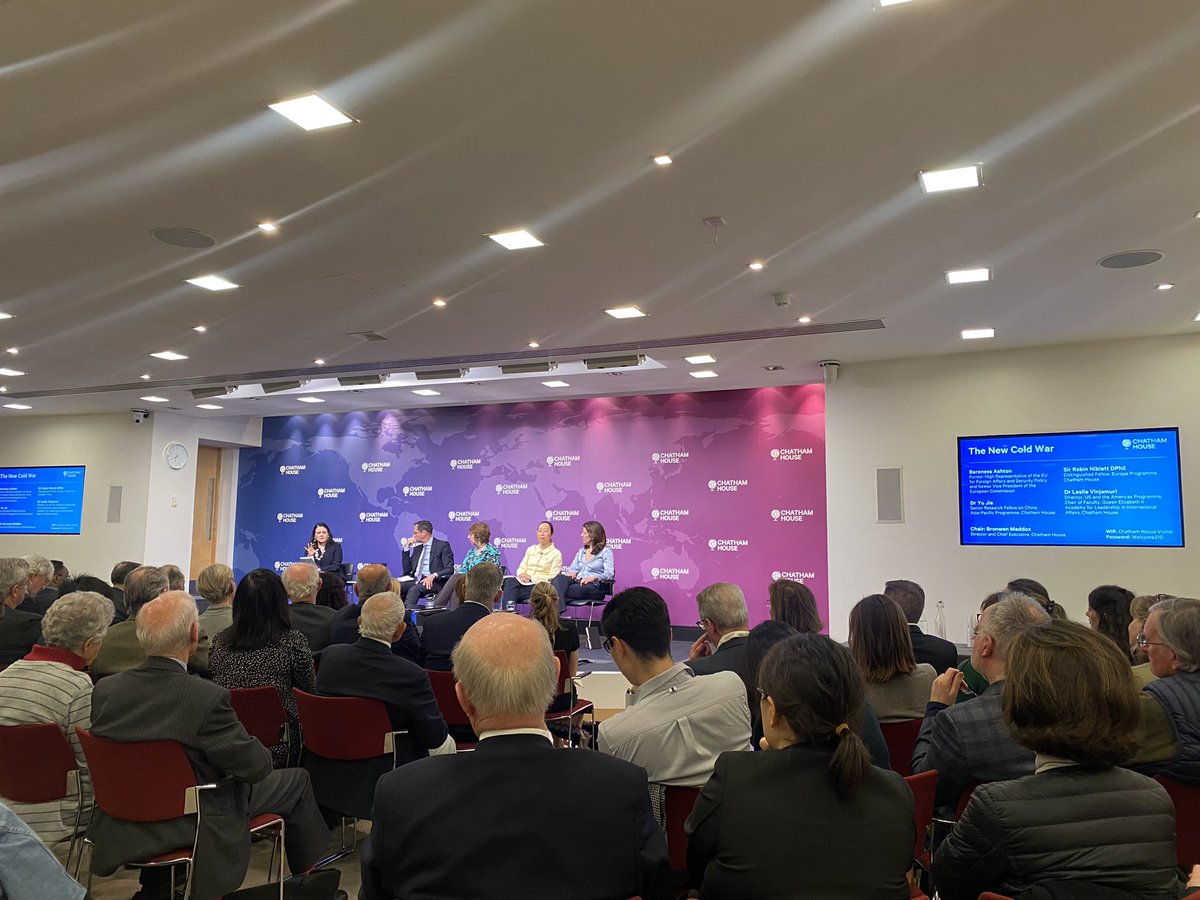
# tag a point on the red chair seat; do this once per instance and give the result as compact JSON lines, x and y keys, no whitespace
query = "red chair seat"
{"x":901,"y":737}
{"x":266,"y":820}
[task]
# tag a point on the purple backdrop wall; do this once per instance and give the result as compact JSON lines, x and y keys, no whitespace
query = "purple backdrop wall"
{"x":691,"y":488}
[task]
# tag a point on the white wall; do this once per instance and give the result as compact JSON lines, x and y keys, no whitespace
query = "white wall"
{"x":909,"y":413}
{"x":115,"y":452}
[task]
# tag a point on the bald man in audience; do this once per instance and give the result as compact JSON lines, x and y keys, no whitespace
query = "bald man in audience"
{"x":343,"y":627}
{"x":490,"y":823}
{"x":159,"y":701}
{"x":970,"y":742}
{"x":302,"y":581}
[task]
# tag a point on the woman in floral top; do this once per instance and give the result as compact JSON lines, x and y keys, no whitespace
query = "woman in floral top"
{"x":481,"y":550}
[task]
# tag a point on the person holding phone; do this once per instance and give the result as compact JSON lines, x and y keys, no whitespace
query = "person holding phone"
{"x":542,"y":562}
{"x":323,"y":551}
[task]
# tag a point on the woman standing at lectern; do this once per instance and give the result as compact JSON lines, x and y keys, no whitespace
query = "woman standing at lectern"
{"x":323,"y":550}
{"x":590,"y":575}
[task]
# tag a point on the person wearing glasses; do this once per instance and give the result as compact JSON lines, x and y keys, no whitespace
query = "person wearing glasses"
{"x":1169,"y":740}
{"x":1139,"y":610}
{"x":811,"y":817}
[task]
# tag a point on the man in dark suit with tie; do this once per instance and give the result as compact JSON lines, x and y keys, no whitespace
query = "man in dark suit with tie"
{"x":444,"y":630}
{"x":159,"y":700}
{"x":726,"y":624}
{"x":927,"y":648}
{"x":428,"y":561}
{"x":490,"y":823}
{"x":368,"y":668}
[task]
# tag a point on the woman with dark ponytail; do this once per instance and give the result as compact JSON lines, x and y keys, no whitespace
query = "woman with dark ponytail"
{"x":815,"y":819}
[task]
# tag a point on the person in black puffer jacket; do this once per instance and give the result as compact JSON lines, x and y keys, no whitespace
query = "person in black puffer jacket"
{"x":1072,"y":699}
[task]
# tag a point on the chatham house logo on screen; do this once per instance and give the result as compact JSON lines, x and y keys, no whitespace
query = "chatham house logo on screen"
{"x":288,"y":517}
{"x":291,"y":470}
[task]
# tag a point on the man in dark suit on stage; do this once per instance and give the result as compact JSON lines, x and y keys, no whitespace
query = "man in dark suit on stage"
{"x":428,"y":561}
{"x":368,"y":668}
{"x":927,"y":648}
{"x":444,"y":630}
{"x":726,"y":624}
{"x":158,"y":701}
{"x":490,"y":823}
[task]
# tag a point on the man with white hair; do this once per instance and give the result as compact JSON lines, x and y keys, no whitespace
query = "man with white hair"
{"x":19,"y":628}
{"x":726,"y":624}
{"x":38,"y":593}
{"x":343,"y":628}
{"x":51,"y":684}
{"x":159,"y":701}
{"x":1170,"y":740}
{"x":368,"y":668}
{"x":444,"y":826}
{"x":302,"y":581}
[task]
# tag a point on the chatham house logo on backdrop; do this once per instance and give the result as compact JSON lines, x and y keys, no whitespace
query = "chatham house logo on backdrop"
{"x":561,"y":462}
{"x":561,"y":515}
{"x":464,"y":464}
{"x":281,"y":565}
{"x":463,"y":515}
{"x":510,"y":543}
{"x":416,"y":490}
{"x":668,"y":457}
{"x":613,"y":487}
{"x":667,"y":573}
{"x":288,"y":518}
{"x":372,"y":518}
{"x":291,"y":470}
{"x":376,"y":467}
{"x":330,"y":493}
{"x":792,"y":576}
{"x":669,"y":515}
{"x":791,"y":515}
{"x":791,"y":453}
{"x":728,"y":545}
{"x":728,"y":485}
{"x":511,"y":490}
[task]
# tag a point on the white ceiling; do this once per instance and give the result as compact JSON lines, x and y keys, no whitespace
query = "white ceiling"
{"x":802,"y":123}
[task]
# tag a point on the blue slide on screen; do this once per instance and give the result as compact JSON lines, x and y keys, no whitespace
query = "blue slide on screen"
{"x":1081,"y":489}
{"x":41,"y":500}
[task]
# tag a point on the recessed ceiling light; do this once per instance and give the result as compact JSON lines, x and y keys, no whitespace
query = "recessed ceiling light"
{"x":663,"y":159}
{"x":1197,"y":319}
{"x":200,"y":328}
{"x":555,"y":384}
{"x":700,"y":360}
{"x":1196,"y":216}
{"x":318,"y":362}
{"x":3,"y":389}
{"x":773,"y":368}
{"x":4,"y":315}
{"x":756,"y":266}
{"x":516,"y":240}
{"x":10,"y":373}
{"x":951,"y":179}
{"x":427,"y":392}
{"x":883,"y":3}
{"x":804,"y":320}
{"x":208,"y":406}
{"x":310,"y":399}
{"x":439,"y":302}
{"x":968,"y":276}
{"x":13,"y":350}
{"x":168,"y":355}
{"x":153,"y":399}
{"x":703,"y":373}
{"x":533,"y":345}
{"x":625,"y":312}
{"x":16,"y":406}
{"x":213,"y":283}
{"x":268,"y":227}
{"x":311,"y":112}
{"x":1159,"y":287}
{"x":975,"y":334}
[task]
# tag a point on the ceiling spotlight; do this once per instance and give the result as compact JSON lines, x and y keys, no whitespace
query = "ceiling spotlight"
{"x":200,"y":328}
{"x":3,"y":389}
{"x":439,"y":302}
{"x":277,"y":387}
{"x":663,"y":160}
{"x":310,"y":399}
{"x":700,"y":360}
{"x":533,"y":345}
{"x":951,"y":179}
{"x":976,"y":334}
{"x":213,"y":283}
{"x":268,"y":227}
{"x":318,"y":362}
{"x":555,"y":384}
{"x":4,"y":315}
{"x":703,"y":373}
{"x":615,"y":362}
{"x":516,"y":240}
{"x":1157,"y":287}
{"x":427,"y":392}
{"x":528,"y":368}
{"x":310,"y":112}
{"x":145,"y":377}
{"x":13,"y":350}
{"x":10,"y":373}
{"x":968,"y":276}
{"x":756,"y":266}
{"x":625,"y":312}
{"x":773,"y":368}
{"x":153,"y":399}
{"x":804,"y":320}
{"x":208,"y":406}
{"x":16,"y":406}
{"x":168,"y":355}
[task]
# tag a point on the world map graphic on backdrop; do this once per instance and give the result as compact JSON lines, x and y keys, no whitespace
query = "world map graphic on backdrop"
{"x":691,"y":488}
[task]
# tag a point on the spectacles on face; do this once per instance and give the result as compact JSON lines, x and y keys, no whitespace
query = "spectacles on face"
{"x":1144,"y":642}
{"x":975,"y":625}
{"x":762,"y":695}
{"x":607,"y":645}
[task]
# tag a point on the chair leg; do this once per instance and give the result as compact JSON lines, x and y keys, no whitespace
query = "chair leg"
{"x":87,"y":845}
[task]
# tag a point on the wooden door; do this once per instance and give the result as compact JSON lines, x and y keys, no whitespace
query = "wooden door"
{"x":205,"y":510}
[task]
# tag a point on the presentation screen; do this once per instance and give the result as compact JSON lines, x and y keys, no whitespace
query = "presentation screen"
{"x":41,"y":500}
{"x":1076,"y":489}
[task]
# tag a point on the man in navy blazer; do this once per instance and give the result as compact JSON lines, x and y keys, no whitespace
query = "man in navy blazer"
{"x":427,"y":560}
{"x":368,"y":668}
{"x":722,"y":646}
{"x":927,"y":648}
{"x":444,"y":630}
{"x":490,"y":823}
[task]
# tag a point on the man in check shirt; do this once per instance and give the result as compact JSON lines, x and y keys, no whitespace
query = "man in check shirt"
{"x":542,"y":561}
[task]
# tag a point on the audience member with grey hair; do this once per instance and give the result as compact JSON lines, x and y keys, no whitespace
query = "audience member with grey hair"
{"x":368,"y":668}
{"x":215,"y":584}
{"x":51,"y":685}
{"x":444,"y":629}
{"x":1169,"y":741}
{"x":302,"y":581}
{"x":176,"y":580}
{"x":19,"y":628}
{"x":39,"y":593}
{"x":721,"y":647}
{"x":969,"y":742}
{"x":506,"y":676}
{"x":122,"y":649}
{"x":343,"y":627}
